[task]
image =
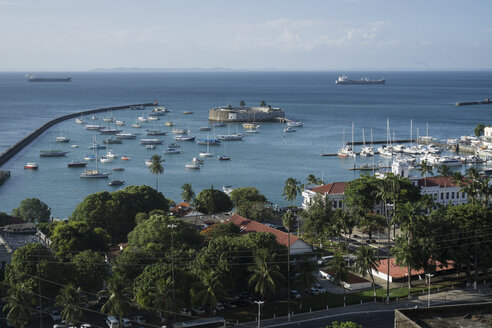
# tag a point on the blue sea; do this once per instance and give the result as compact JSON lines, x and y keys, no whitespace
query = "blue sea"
{"x":263,"y":160}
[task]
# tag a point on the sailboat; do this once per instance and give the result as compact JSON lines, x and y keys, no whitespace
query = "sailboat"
{"x":207,"y":153}
{"x":229,"y":136}
{"x":224,"y":157}
{"x":94,"y":173}
{"x":366,"y":150}
{"x":347,"y":151}
{"x":386,"y":150}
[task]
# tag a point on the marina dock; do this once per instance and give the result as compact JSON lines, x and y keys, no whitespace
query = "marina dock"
{"x":381,"y":142}
{"x":468,"y":103}
{"x":4,"y":175}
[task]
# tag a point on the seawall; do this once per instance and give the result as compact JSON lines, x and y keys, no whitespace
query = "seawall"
{"x":18,"y":146}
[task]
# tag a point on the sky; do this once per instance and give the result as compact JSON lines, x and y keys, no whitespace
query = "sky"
{"x":81,"y":35}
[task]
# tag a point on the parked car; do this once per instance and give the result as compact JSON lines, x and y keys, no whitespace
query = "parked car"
{"x":323,"y":260}
{"x":198,"y":310}
{"x":85,"y":325}
{"x":185,"y":312}
{"x":295,"y":293}
{"x":219,"y":307}
{"x":55,"y":315}
{"x":125,"y":322}
{"x":313,"y":291}
{"x":138,"y":319}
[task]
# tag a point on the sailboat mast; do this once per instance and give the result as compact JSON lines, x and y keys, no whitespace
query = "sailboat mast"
{"x":411,"y":131}
{"x":363,"y":138}
{"x":352,"y":136}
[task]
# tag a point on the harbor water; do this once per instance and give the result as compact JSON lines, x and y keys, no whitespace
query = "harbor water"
{"x":263,"y":160}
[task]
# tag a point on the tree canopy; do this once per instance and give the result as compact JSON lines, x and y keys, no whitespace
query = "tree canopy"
{"x":89,"y":270}
{"x":211,"y":201}
{"x":76,"y":236}
{"x":32,"y":210}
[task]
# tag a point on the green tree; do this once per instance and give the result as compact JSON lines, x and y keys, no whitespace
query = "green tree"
{"x":188,"y":194}
{"x":247,"y":194}
{"x":70,"y":300}
{"x":311,"y":179}
{"x":76,"y":236}
{"x":319,"y":219}
{"x":306,"y":277}
{"x":161,"y":296}
{"x":425,"y":169}
{"x":291,"y":190}
{"x":211,"y":291}
{"x":220,"y":230}
{"x":344,"y":324}
{"x":242,"y":103}
{"x":119,"y":296}
{"x":156,"y":168}
{"x":371,"y":223}
{"x":263,"y":103}
{"x":89,"y":270}
{"x":211,"y":201}
{"x":346,"y":222}
{"x":32,"y":210}
{"x":478,"y":131}
{"x":444,"y":170}
{"x":131,"y":263}
{"x":115,"y":212}
{"x":366,"y":262}
{"x":289,"y":221}
{"x":340,"y":270}
{"x":18,"y":304}
{"x":266,"y":273}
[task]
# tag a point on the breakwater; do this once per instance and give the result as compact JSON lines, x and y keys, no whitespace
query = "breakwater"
{"x":18,"y":146}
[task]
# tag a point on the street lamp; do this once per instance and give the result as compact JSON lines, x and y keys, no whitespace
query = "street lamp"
{"x":259,"y":311}
{"x":428,"y":275}
{"x":172,"y":226}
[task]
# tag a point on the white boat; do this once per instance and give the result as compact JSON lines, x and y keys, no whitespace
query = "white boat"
{"x":192,"y":166}
{"x":108,"y":119}
{"x":151,"y":141}
{"x":251,"y":130}
{"x":172,"y":151}
{"x":231,"y":136}
{"x":120,"y":123}
{"x":205,"y":128}
{"x":31,"y":166}
{"x":53,"y":153}
{"x":169,"y":123}
{"x":184,"y":137}
{"x":159,"y":111}
{"x":148,"y":163}
{"x":92,"y":127}
{"x":296,"y":124}
{"x":110,"y":154}
{"x":90,"y":157}
{"x":126,"y":135}
{"x":180,"y":131}
{"x":448,"y":161}
{"x":149,"y":147}
{"x":472,"y":159}
{"x":197,"y":161}
{"x":142,"y":119}
{"x":156,"y":133}
{"x":250,"y":126}
{"x":79,"y":121}
{"x":289,"y":129}
{"x":94,"y":174}
{"x":74,"y":146}
{"x":62,"y":139}
{"x":136,"y":125}
{"x":367,"y":151}
{"x":104,"y":159}
{"x":206,"y":153}
{"x":153,"y":118}
{"x":346,"y":152}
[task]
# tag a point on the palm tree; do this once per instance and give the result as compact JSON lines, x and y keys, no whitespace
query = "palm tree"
{"x":263,"y":104}
{"x":346,"y":222}
{"x":161,"y":296}
{"x":156,"y":168}
{"x":444,"y":170}
{"x":265,"y":273}
{"x":424,"y":169}
{"x":485,"y":190}
{"x":291,"y":190}
{"x":311,"y":179}
{"x":340,"y":270}
{"x":19,"y":302}
{"x":365,"y":263}
{"x":119,"y":294}
{"x":212,"y":291}
{"x":70,"y":299}
{"x":473,"y":174}
{"x":289,"y":222}
{"x":306,"y":277}
{"x":188,"y":194}
{"x":242,"y":103}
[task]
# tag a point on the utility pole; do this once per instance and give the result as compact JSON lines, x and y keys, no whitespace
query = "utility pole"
{"x":259,"y":311}
{"x":39,"y":285}
{"x":172,"y":226}
{"x":429,"y":276}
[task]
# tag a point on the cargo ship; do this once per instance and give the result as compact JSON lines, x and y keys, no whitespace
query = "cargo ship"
{"x":343,"y":79}
{"x":32,"y":78}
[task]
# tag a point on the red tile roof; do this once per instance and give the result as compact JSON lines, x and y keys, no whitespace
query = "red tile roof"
{"x":401,"y":272}
{"x":247,"y":225}
{"x":437,"y":182}
{"x":331,"y":188}
{"x":181,"y":209}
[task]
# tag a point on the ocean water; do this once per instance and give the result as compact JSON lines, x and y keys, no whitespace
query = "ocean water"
{"x":263,"y":160}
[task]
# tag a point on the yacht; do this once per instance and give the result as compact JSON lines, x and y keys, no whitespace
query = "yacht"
{"x":223,"y":158}
{"x":156,"y":133}
{"x":169,"y":123}
{"x":110,"y":154}
{"x":149,"y":147}
{"x":77,"y":164}
{"x":136,"y":125}
{"x":295,"y":124}
{"x":109,"y":131}
{"x":104,"y":159}
{"x":94,"y":174}
{"x":250,"y":126}
{"x":346,"y":152}
{"x":184,"y":137}
{"x":79,"y":121}
{"x":31,"y":166}
{"x":172,"y":151}
{"x":116,"y":182}
{"x":92,"y":127}
{"x":289,"y":129}
{"x":62,"y":139}
{"x":90,"y":157}
{"x":120,"y":123}
{"x":205,"y":128}
{"x":192,"y":166}
{"x":180,"y":131}
{"x":142,"y":119}
{"x":197,"y":161}
{"x":151,"y":141}
{"x":111,"y":140}
{"x":53,"y":153}
{"x":448,"y":161}
{"x":367,"y":151}
{"x":126,"y":135}
{"x":153,"y":118}
{"x":343,"y":79}
{"x":125,"y":158}
{"x":148,"y":163}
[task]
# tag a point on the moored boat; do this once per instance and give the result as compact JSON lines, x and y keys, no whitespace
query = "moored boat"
{"x":62,"y":139}
{"x":184,"y":137}
{"x":192,"y":166}
{"x":77,"y":164}
{"x":172,"y":151}
{"x":31,"y":166}
{"x":116,"y":182}
{"x":53,"y":153}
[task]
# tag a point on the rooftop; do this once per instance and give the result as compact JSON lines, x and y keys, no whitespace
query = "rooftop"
{"x":437,"y":182}
{"x":397,"y":271}
{"x":331,"y":188}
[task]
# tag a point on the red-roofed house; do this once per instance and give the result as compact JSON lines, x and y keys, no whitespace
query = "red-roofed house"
{"x":335,"y":192}
{"x":399,"y":273}
{"x":353,"y":282}
{"x":297,"y":246}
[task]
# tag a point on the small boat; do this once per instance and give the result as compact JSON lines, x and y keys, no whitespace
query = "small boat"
{"x":251,"y":130}
{"x":142,"y":119}
{"x":120,"y":123}
{"x":156,"y":133}
{"x":180,"y":131}
{"x":149,"y":147}
{"x":160,"y":109}
{"x":94,"y":117}
{"x":174,"y":145}
{"x":187,"y":112}
{"x":110,"y":154}
{"x":223,"y":158}
{"x":116,"y":183}
{"x":184,"y":137}
{"x":151,"y":141}
{"x":289,"y":129}
{"x":125,"y":158}
{"x":148,"y":163}
{"x":77,"y":164}
{"x":108,"y":119}
{"x":126,"y":135}
{"x":90,"y":157}
{"x":211,"y":142}
{"x":197,"y":161}
{"x":205,"y":154}
{"x":111,"y":140}
{"x":172,"y":151}
{"x":250,"y":126}
{"x":97,"y":146}
{"x":118,"y":169}
{"x":31,"y":166}
{"x":219,"y":124}
{"x":139,"y":107}
{"x":153,"y":118}
{"x":169,"y":123}
{"x":296,"y":124}
{"x":231,"y":137}
{"x":346,"y":152}
{"x":205,"y":128}
{"x":109,"y":131}
{"x":192,"y":166}
{"x":92,"y":127}
{"x":104,"y":159}
{"x":94,"y":174}
{"x":74,"y":146}
{"x":62,"y":139}
{"x":136,"y":125}
{"x":79,"y":121}
{"x":53,"y":153}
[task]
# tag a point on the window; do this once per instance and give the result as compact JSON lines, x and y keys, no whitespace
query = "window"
{"x":442,"y":195}
{"x":447,"y":195}
{"x":452,"y":195}
{"x":335,"y":204}
{"x":463,"y":195}
{"x":340,"y":204}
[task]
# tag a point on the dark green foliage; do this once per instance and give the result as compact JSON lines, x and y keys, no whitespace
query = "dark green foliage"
{"x":211,"y":201}
{"x":478,"y":131}
{"x":32,"y":210}
{"x":360,"y":195}
{"x":89,"y":270}
{"x":247,"y":194}
{"x":24,"y":269}
{"x":344,"y":324}
{"x":115,"y":212}
{"x":220,"y":230}
{"x":73,"y":236}
{"x":130,"y":263}
{"x":249,"y":203}
{"x":319,"y":218}
{"x":4,"y":219}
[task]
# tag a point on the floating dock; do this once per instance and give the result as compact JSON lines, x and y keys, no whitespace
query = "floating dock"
{"x":382,"y":142}
{"x":468,"y":103}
